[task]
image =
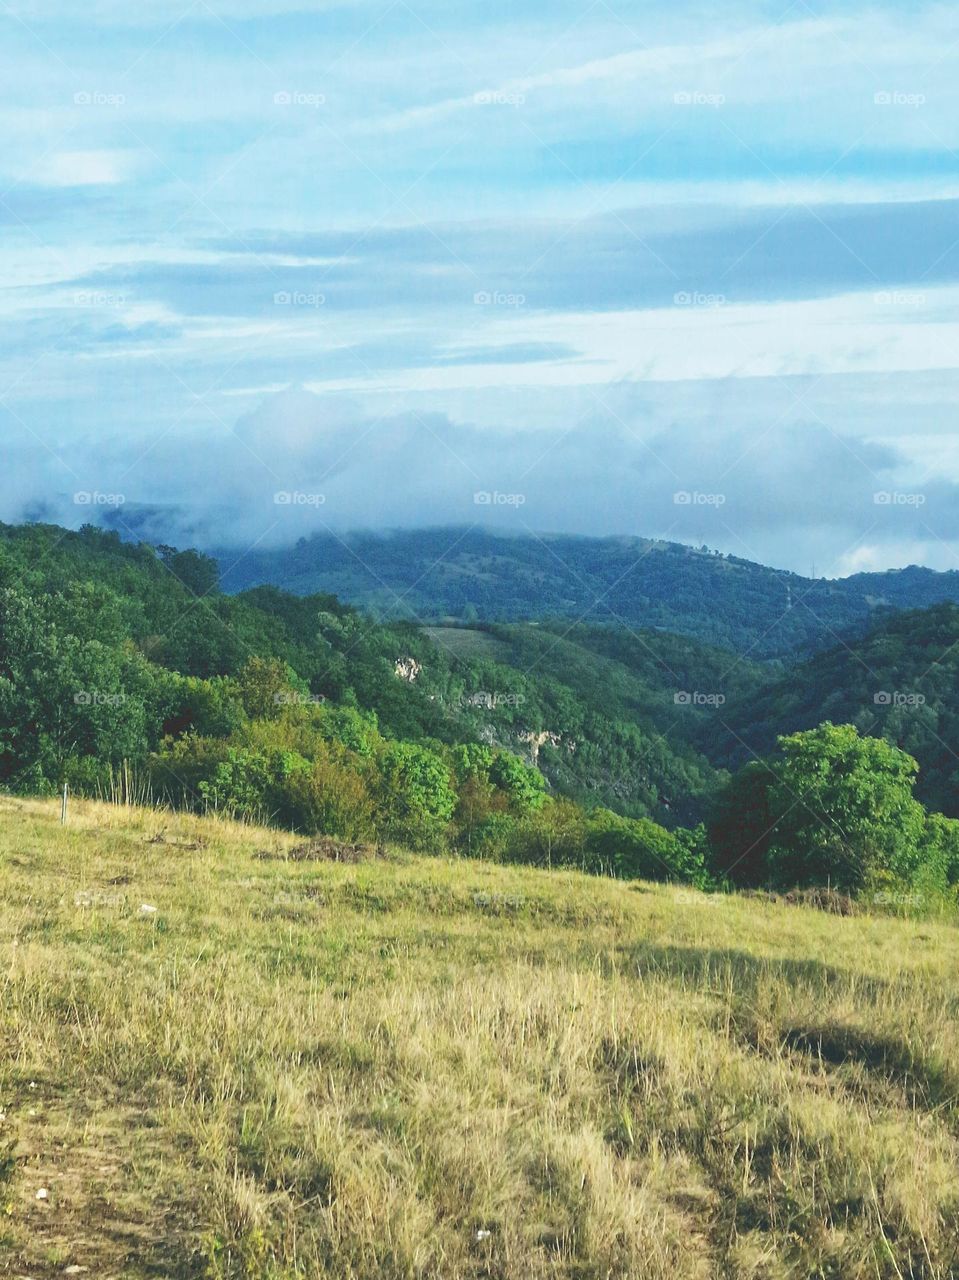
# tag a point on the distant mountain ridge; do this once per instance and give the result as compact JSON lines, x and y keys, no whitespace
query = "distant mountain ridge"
{"x":480,"y":575}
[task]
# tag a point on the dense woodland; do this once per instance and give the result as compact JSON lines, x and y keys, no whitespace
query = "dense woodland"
{"x":429,"y":574}
{"x":125,"y":671}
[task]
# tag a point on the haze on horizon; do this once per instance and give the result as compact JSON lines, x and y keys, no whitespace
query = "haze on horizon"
{"x":597,"y":268}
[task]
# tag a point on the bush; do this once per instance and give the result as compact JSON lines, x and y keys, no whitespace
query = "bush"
{"x":329,"y":798}
{"x":415,"y":800}
{"x":554,"y":835}
{"x":640,"y":849}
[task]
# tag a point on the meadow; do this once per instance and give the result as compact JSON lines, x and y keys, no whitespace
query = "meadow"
{"x":220,"y":1058}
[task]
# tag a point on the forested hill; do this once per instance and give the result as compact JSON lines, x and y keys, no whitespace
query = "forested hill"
{"x":899,"y":682}
{"x":479,"y":575}
{"x":113,"y":652}
{"x":515,"y":739}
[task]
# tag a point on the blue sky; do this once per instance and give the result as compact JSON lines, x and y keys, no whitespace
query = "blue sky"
{"x":598,"y":257}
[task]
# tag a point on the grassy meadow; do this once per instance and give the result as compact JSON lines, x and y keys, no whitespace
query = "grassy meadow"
{"x":411,"y":1067}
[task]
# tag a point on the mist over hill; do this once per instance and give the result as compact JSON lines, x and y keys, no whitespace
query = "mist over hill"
{"x":475,"y":574}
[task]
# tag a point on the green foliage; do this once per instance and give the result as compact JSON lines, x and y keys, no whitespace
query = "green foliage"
{"x":238,"y":785}
{"x":332,"y":796}
{"x":637,"y":848}
{"x":198,"y":573}
{"x":555,"y":835}
{"x":416,"y":796}
{"x":524,"y":786}
{"x":897,"y":683}
{"x":542,"y":744}
{"x":621,"y":582}
{"x":740,"y":827}
{"x":939,"y":851}
{"x":831,"y":807}
{"x":264,"y":652}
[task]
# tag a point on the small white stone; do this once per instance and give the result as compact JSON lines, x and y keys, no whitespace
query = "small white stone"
{"x":147,"y":910}
{"x":483,"y":1234}
{"x":43,"y":1194}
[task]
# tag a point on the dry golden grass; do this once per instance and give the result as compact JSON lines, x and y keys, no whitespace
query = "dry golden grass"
{"x":427,"y":1068}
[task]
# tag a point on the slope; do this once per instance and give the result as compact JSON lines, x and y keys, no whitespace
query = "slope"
{"x":221,"y":1061}
{"x":432,"y":574}
{"x":897,"y":682}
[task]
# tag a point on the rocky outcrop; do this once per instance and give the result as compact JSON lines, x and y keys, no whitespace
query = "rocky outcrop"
{"x":407,"y":669}
{"x":535,"y":741}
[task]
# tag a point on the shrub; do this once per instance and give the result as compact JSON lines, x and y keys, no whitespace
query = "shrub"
{"x":554,"y":835}
{"x":329,"y":798}
{"x":830,"y":807}
{"x":415,"y":800}
{"x":638,"y":848}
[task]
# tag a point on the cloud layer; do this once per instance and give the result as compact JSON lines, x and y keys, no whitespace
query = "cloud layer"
{"x":393,"y":256}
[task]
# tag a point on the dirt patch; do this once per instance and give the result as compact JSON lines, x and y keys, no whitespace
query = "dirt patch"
{"x":325,"y":849}
{"x":162,"y":838}
{"x":104,"y":1211}
{"x":829,"y":900}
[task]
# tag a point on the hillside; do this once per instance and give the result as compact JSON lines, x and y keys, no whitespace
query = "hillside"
{"x":113,"y":621}
{"x":897,"y":682}
{"x":473,"y":573}
{"x":221,"y":1061}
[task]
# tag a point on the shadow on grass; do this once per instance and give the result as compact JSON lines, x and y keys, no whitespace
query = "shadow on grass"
{"x":927,"y":1080}
{"x":705,"y":966}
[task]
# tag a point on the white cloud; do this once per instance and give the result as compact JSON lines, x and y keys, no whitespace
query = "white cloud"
{"x":84,"y":168}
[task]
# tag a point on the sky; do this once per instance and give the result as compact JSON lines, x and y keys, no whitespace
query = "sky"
{"x":688,"y":271}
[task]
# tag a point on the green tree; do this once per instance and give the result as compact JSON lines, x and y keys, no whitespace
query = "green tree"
{"x":832,"y":807}
{"x":416,"y":798}
{"x":197,"y":572}
{"x":554,"y":835}
{"x":266,"y":686}
{"x":740,"y":826}
{"x":524,"y":786}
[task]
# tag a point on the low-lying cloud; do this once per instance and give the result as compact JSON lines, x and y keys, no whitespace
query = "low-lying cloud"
{"x":300,"y":463}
